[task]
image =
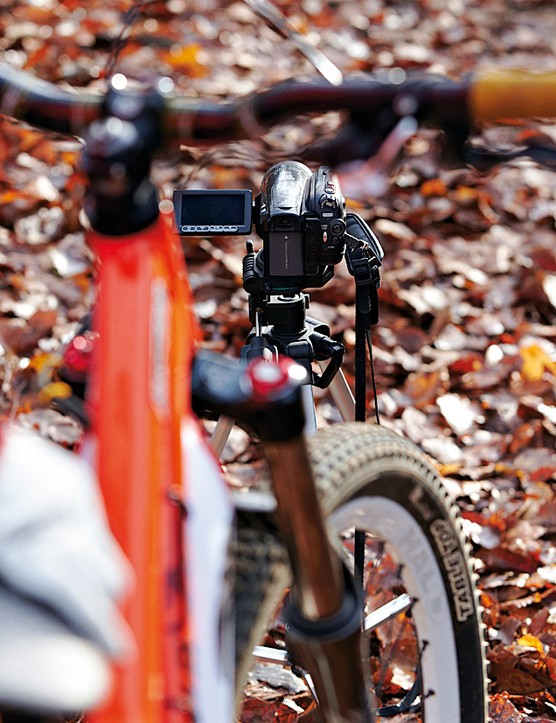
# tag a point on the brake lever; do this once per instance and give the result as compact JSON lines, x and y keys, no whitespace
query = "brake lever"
{"x":361,"y":179}
{"x":279,"y":23}
{"x":483,"y":159}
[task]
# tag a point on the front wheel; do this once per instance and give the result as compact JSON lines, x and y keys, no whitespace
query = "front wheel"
{"x":424,"y":642}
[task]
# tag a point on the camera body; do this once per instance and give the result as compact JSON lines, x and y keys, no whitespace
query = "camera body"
{"x":299,"y":215}
{"x":300,"y":221}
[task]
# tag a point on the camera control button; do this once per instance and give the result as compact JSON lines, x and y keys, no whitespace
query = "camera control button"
{"x":229,"y":229}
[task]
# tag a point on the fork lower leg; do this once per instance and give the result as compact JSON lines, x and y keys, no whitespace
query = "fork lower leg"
{"x":324,"y":613}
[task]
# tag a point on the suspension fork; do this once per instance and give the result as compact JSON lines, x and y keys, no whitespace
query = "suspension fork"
{"x":324,"y":610}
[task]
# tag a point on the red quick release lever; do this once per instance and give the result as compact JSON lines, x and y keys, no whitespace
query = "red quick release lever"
{"x":77,"y":356}
{"x":268,"y":377}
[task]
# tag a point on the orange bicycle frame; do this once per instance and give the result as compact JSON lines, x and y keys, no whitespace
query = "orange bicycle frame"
{"x":140,"y":398}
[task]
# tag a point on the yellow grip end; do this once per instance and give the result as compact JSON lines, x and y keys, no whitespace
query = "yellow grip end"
{"x":496,"y":94}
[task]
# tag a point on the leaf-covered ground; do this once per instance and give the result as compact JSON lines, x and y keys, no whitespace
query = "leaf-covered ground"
{"x":465,"y":352}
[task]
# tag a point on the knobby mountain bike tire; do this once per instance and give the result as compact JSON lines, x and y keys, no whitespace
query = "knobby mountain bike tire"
{"x":427,"y":660}
{"x":261,"y":575}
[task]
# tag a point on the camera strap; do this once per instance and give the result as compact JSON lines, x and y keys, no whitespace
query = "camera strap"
{"x":363,"y":263}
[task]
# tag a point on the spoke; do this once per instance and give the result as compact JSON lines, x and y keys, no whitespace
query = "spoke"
{"x":270,"y":655}
{"x":387,"y":660}
{"x":388,"y":611}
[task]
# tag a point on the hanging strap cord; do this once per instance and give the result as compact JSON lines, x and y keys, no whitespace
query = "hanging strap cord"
{"x":364,"y":256}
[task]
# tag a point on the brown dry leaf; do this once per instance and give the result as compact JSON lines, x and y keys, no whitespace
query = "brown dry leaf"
{"x":538,"y":464}
{"x":502,"y":710}
{"x":502,"y":558}
{"x":424,"y":388}
{"x":258,"y":711}
{"x":518,"y":673}
{"x":461,"y":413}
{"x":21,"y":337}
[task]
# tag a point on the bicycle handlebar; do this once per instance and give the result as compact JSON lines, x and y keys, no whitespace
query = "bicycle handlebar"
{"x":485,"y":96}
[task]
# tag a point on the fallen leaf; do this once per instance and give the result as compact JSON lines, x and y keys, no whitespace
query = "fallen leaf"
{"x":502,"y":710}
{"x":530,"y":641}
{"x":535,"y":363}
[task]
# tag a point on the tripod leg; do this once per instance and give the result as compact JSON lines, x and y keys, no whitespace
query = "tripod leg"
{"x":342,"y":395}
{"x":220,"y":434}
{"x":309,"y":409}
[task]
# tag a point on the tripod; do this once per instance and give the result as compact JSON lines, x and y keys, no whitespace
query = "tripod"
{"x":281,"y":326}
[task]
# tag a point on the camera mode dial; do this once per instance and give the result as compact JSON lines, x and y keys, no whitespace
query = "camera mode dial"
{"x":329,"y":199}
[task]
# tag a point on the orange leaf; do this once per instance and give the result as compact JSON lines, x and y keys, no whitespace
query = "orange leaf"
{"x":55,"y":390}
{"x":464,"y":194}
{"x":43,"y":360}
{"x":9,"y":197}
{"x":434,"y":187}
{"x":551,"y":667}
{"x":535,"y":362}
{"x":187,"y":58}
{"x":531,"y":641}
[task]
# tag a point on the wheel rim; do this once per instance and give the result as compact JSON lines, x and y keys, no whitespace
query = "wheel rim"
{"x":417,"y":641}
